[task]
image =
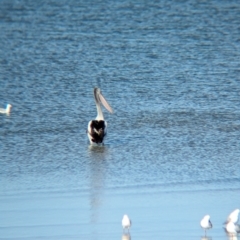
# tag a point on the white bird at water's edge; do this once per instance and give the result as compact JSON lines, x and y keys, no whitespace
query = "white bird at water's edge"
{"x":126,"y":222}
{"x":233,"y":216}
{"x":232,"y":228}
{"x":97,"y":129}
{"x":206,"y":223}
{"x":6,"y":110}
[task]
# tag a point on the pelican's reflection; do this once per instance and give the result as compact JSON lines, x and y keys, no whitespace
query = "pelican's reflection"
{"x":126,"y":236}
{"x":97,"y":169}
{"x":93,"y":150}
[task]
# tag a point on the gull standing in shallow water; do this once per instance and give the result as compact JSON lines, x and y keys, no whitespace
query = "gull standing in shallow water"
{"x":126,"y":222}
{"x":97,"y":129}
{"x":233,"y":216}
{"x":231,"y":226}
{"x":6,"y":110}
{"x":232,"y":229}
{"x":206,"y":223}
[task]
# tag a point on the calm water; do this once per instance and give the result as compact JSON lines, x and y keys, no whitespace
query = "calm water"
{"x":171,"y":72}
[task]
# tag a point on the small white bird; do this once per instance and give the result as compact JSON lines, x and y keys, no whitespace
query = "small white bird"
{"x":233,"y":216}
{"x":126,"y":222}
{"x":232,"y":229}
{"x":6,"y":110}
{"x":206,"y":223}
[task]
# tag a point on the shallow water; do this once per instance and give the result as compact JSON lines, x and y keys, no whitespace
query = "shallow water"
{"x":171,"y":74}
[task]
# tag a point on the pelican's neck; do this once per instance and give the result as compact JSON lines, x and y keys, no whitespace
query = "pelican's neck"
{"x":99,"y":112}
{"x":99,"y":109}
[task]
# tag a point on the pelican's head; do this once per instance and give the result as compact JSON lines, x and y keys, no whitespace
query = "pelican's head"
{"x":100,"y":99}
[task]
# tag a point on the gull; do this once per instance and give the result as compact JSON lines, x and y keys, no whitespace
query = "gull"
{"x":97,"y":129}
{"x":6,"y":110}
{"x":232,"y":229}
{"x":126,"y":222}
{"x":233,"y":216}
{"x":206,"y":223}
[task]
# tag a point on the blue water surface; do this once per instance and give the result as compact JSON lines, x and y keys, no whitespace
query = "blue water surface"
{"x":171,"y":72}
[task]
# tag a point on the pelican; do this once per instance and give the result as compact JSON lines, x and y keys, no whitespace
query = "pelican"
{"x":206,"y":223}
{"x":233,"y":216}
{"x":97,"y":129}
{"x":6,"y":110}
{"x":126,"y":222}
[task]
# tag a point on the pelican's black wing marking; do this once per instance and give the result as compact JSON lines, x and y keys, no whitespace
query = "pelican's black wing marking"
{"x":97,"y":131}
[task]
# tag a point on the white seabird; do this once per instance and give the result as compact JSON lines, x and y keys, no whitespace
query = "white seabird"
{"x":206,"y":223}
{"x":233,"y":216}
{"x":232,"y":228}
{"x":126,"y":222}
{"x":6,"y":110}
